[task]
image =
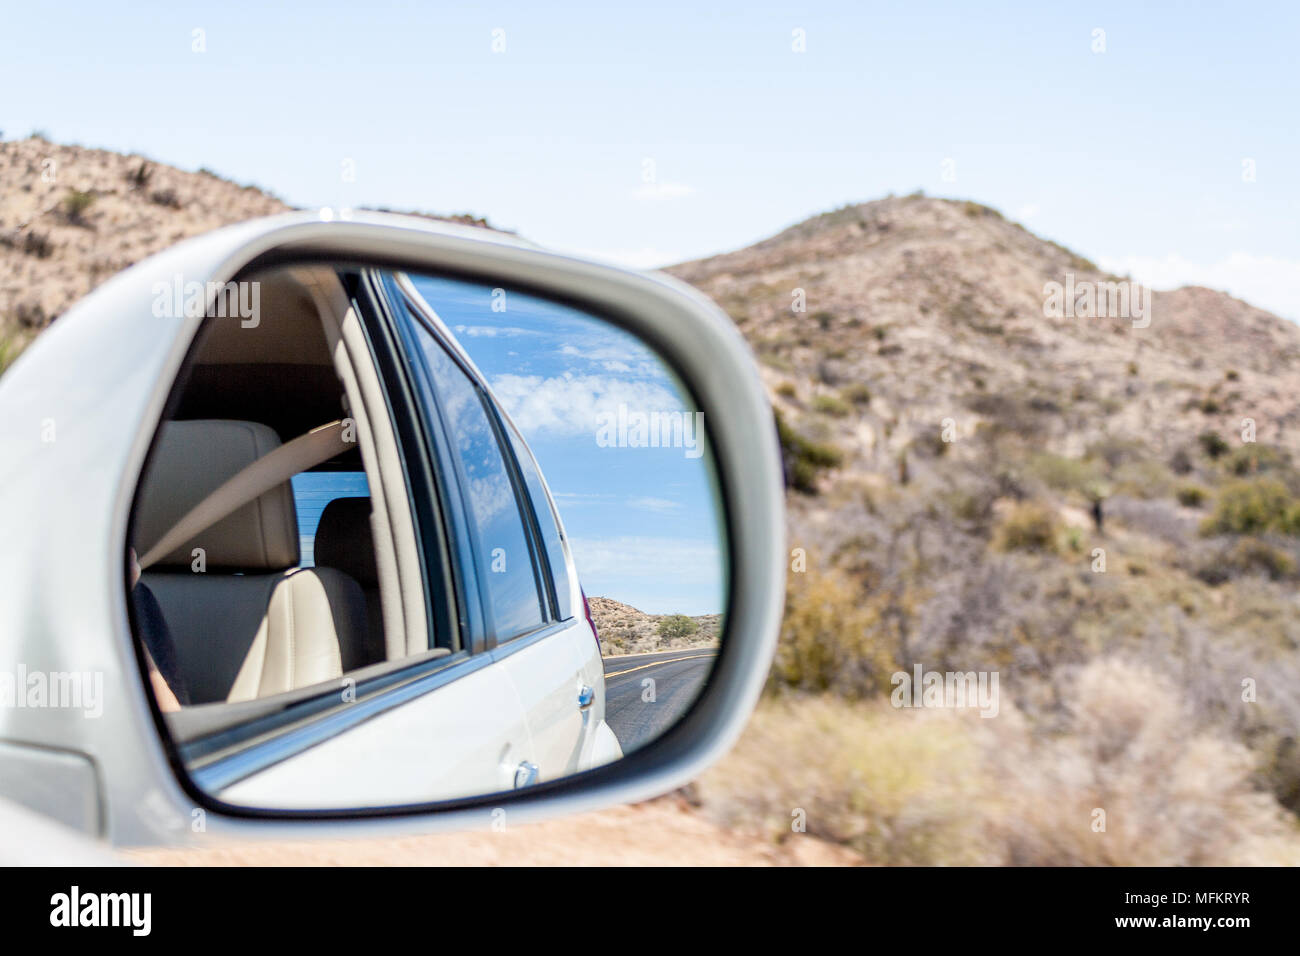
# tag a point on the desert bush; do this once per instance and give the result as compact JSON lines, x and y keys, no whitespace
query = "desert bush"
{"x":1115,"y":451}
{"x":1065,"y":474}
{"x":165,"y":197}
{"x":1143,"y":478}
{"x":972,"y":507}
{"x":1190,"y":496}
{"x":831,"y":639}
{"x":1253,"y":506}
{"x":787,"y":390}
{"x":930,"y":443}
{"x":896,"y":786}
{"x":10,"y":346}
{"x":1253,"y":555}
{"x":75,"y":204}
{"x":139,"y":177}
{"x":857,"y":394}
{"x":1172,"y":796}
{"x":30,"y":315}
{"x":31,"y":243}
{"x":1030,"y":526}
{"x":1180,"y":462}
{"x":936,"y":787}
{"x":676,"y":626}
{"x":803,"y":458}
{"x":1253,"y":458}
{"x":831,"y":405}
{"x":38,"y":244}
{"x":1011,"y":413}
{"x":1213,"y":446}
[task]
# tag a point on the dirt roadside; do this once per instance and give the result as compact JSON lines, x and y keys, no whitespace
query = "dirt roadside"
{"x":665,"y":832}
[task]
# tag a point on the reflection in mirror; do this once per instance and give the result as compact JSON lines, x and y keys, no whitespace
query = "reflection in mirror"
{"x":404,"y":539}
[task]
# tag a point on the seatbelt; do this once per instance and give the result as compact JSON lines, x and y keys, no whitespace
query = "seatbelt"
{"x":250,"y":483}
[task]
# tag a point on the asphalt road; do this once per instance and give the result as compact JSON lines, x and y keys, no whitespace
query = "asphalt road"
{"x":678,"y":678}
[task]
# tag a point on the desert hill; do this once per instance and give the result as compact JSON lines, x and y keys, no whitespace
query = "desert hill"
{"x":626,"y":630}
{"x":1103,"y":511}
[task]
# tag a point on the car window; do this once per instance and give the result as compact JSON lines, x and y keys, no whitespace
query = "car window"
{"x":503,"y":555}
{"x":552,"y":539}
{"x":312,"y":491}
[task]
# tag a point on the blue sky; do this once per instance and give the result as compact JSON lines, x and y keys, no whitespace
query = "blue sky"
{"x":1132,"y":156}
{"x":642,"y":521}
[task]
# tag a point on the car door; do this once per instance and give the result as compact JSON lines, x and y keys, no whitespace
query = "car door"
{"x":522,"y":628}
{"x":560,"y":584}
{"x":437,"y":745}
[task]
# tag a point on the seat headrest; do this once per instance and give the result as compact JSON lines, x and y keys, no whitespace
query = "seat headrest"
{"x":344,"y":540}
{"x":192,"y":459}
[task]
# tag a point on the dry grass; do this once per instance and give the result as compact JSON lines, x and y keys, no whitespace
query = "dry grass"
{"x":926,"y":787}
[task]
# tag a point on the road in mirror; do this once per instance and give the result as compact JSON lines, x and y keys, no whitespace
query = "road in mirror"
{"x":495,"y":558}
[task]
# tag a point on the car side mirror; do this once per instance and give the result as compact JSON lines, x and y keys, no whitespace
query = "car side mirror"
{"x":386,"y":523}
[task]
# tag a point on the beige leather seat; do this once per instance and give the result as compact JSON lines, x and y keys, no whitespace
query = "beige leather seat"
{"x":253,"y":623}
{"x":344,"y":540}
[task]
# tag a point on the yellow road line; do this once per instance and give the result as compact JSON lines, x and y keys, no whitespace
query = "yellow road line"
{"x":674,"y":660}
{"x":621,"y":657}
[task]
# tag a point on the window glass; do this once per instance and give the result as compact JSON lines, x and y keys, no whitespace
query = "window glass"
{"x":312,"y":491}
{"x":504,"y":558}
{"x":546,"y":522}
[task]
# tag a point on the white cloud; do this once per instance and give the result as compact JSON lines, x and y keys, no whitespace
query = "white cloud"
{"x":492,"y":331}
{"x":1264,"y":281}
{"x":650,"y":557}
{"x":658,"y":505}
{"x":658,"y":192}
{"x":571,"y":404}
{"x":631,"y":358}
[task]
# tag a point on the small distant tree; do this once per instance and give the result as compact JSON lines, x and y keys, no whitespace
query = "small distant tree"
{"x":676,"y":625}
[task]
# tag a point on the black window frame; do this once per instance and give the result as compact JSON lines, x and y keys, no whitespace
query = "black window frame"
{"x":511,"y":433}
{"x":414,"y":309}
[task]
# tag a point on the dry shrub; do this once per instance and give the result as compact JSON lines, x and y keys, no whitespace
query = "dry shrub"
{"x":1027,"y":527}
{"x":948,"y":787}
{"x":832,"y":638}
{"x":1172,"y":796}
{"x":896,"y":786}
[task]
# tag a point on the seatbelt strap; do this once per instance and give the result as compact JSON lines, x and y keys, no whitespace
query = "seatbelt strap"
{"x":250,"y":483}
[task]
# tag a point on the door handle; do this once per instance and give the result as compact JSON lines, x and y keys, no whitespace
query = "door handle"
{"x":526,"y":774}
{"x":586,"y":697}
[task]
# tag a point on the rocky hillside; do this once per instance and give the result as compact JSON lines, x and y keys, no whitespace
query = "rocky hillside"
{"x":920,"y":309}
{"x":70,"y":217}
{"x":625,"y":630}
{"x":1103,"y":511}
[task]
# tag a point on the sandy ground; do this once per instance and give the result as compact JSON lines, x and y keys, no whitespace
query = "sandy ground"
{"x":664,"y":832}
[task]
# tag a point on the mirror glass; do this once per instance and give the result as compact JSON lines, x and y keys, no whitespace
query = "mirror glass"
{"x":407,"y":538}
